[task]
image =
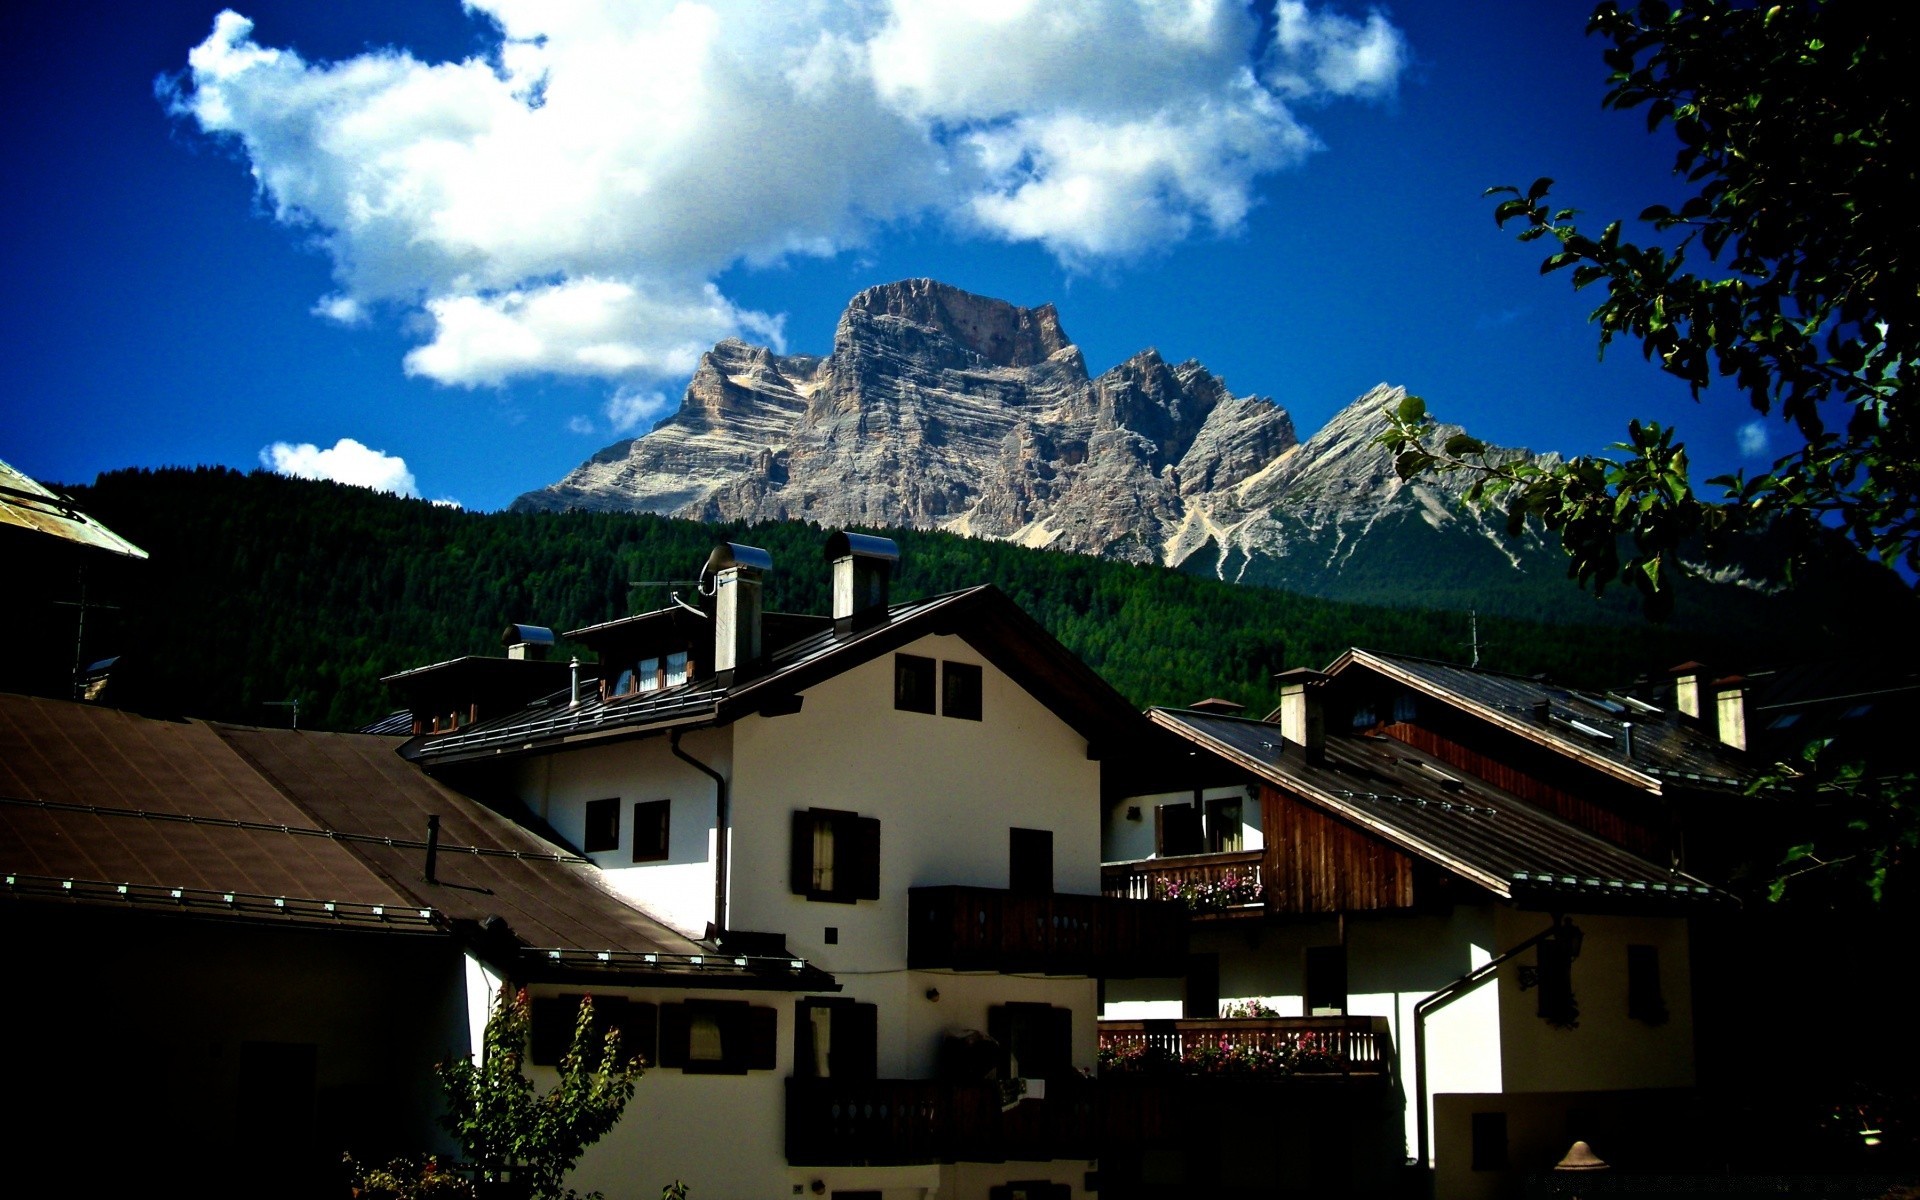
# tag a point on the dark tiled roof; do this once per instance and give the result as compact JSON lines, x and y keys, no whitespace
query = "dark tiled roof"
{"x":1414,"y":802}
{"x":102,"y":806}
{"x":997,"y":627}
{"x":394,"y":724}
{"x":1586,"y":726}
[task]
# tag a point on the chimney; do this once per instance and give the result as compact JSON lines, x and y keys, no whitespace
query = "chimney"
{"x":1301,"y":720}
{"x":1686,"y":689}
{"x":737,"y":572}
{"x":527,"y":642}
{"x":862,"y":566}
{"x":1730,"y":706}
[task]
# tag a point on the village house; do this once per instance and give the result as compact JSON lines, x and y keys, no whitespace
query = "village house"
{"x":249,"y":947}
{"x":905,"y":796}
{"x":1457,"y":897}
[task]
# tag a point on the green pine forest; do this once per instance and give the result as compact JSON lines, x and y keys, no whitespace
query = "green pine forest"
{"x":262,"y":589}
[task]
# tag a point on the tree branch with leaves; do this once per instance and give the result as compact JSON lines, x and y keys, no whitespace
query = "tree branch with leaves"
{"x":1793,"y":122}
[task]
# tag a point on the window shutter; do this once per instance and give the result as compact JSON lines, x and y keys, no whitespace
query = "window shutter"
{"x":800,"y":863}
{"x":1000,"y":1029}
{"x":673,"y":1035}
{"x":640,"y":1032}
{"x":762,"y":1034}
{"x":553,"y":1018}
{"x":863,"y":866}
{"x":1059,"y":1043}
{"x":856,"y":1041}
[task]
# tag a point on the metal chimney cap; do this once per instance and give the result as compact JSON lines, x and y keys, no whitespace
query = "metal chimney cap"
{"x":1582,"y":1158}
{"x":734,"y":554}
{"x":842,"y":542}
{"x":532,"y":635}
{"x":1301,"y":675}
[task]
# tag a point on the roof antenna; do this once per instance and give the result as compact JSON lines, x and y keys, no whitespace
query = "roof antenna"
{"x":293,"y":704}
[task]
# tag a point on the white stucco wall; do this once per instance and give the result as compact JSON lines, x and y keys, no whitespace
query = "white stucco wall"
{"x":723,"y":1135}
{"x":1123,"y":839}
{"x":1607,"y":1050}
{"x":679,"y":891}
{"x":946,"y":792}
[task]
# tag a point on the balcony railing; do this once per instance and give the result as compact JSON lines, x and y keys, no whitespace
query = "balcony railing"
{"x":888,"y":1122}
{"x":1248,"y":1047}
{"x":1210,"y":885}
{"x":988,"y":929}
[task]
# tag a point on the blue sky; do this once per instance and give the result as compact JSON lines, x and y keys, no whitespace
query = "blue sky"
{"x":482,"y":244}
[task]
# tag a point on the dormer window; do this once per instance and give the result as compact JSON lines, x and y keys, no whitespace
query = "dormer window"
{"x":651,"y":675}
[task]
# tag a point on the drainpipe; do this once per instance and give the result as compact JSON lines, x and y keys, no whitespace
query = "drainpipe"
{"x":719,"y":830}
{"x":1440,"y":999}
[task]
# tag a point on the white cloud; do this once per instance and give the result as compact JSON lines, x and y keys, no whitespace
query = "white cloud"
{"x":629,"y":410}
{"x":347,"y":461}
{"x":563,"y":205}
{"x":1326,"y":54}
{"x":580,"y":424}
{"x":1754,"y":439}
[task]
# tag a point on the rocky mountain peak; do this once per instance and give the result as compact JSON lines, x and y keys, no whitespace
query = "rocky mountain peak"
{"x":941,"y":409}
{"x":1002,"y":334}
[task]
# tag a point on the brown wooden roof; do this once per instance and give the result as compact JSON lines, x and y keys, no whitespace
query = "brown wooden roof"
{"x":106,"y":807}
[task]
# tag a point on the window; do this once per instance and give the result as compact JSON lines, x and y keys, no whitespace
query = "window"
{"x":676,"y":668}
{"x":717,"y":1037}
{"x":602,"y":827}
{"x":1030,"y":861}
{"x":1176,"y":830}
{"x":960,"y":690}
{"x":1223,"y":825}
{"x":554,"y":1018}
{"x":1036,"y":1040}
{"x":1489,"y":1141}
{"x":1644,"y":1001}
{"x":1202,"y":1000}
{"x":959,"y":687}
{"x":836,"y":1039}
{"x":650,"y":830}
{"x":913,"y":683}
{"x":1326,"y":981}
{"x":835,"y":856}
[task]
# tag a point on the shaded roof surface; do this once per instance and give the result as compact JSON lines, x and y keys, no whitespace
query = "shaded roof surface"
{"x":1418,"y":804}
{"x":24,"y":503}
{"x":1586,"y":726}
{"x":103,"y":806}
{"x":996,"y":626}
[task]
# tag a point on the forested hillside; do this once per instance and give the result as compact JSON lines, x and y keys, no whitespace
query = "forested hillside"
{"x":262,"y":588}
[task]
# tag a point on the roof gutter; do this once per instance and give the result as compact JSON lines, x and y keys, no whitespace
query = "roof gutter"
{"x":1561,"y":927}
{"x":719,"y":830}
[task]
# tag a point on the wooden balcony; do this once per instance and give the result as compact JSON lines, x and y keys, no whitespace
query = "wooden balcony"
{"x":989,"y":929}
{"x":1249,"y":1048}
{"x":893,"y":1122}
{"x":1211,"y":886}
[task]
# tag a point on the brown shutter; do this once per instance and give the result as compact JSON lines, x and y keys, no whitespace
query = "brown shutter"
{"x":553,"y":1018}
{"x":800,"y":863}
{"x":862,"y":842}
{"x":856,"y":1041}
{"x":673,"y":1035}
{"x":762,"y":1038}
{"x":1059,"y":1043}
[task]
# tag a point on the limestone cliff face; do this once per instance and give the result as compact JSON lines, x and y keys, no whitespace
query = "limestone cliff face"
{"x":942,"y":409}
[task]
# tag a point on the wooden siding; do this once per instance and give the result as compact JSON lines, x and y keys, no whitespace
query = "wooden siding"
{"x":1640,"y":835}
{"x":1315,"y":863}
